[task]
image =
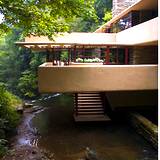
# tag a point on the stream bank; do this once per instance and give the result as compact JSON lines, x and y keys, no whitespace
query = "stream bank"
{"x":51,"y":133}
{"x":23,"y":146}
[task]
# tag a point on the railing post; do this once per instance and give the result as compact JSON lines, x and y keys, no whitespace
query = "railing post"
{"x":83,"y":50}
{"x":117,"y":56}
{"x":74,"y":53}
{"x":107,"y":55}
{"x":126,"y":55}
{"x":47,"y":56}
{"x":53,"y":57}
{"x":69,"y":52}
{"x":56,"y":57}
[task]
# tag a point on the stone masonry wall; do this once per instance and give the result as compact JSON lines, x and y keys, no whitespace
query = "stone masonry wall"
{"x":120,"y":5}
{"x":145,"y":55}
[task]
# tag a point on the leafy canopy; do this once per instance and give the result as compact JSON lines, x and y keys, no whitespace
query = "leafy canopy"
{"x":90,"y":24}
{"x":43,"y":17}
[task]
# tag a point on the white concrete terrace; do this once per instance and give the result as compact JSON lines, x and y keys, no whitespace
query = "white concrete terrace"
{"x":93,"y":77}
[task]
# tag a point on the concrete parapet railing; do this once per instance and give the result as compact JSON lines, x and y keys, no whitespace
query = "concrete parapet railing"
{"x":82,"y":78}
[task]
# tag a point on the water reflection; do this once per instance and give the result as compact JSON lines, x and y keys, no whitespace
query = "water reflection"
{"x":67,"y":140}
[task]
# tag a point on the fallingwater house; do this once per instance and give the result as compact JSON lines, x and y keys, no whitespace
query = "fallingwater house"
{"x":122,"y":58}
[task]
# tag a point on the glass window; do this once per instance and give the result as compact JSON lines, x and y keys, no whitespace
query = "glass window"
{"x":125,"y":23}
{"x":122,"y":24}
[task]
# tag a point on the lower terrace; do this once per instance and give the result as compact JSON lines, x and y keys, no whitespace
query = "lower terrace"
{"x":96,"y":77}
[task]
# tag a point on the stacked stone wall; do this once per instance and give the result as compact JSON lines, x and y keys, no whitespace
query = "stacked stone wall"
{"x":145,"y":55}
{"x":120,"y":5}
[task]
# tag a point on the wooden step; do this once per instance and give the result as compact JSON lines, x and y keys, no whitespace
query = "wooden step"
{"x":88,"y":95}
{"x":90,"y":118}
{"x":90,"y":104}
{"x":90,"y":109}
{"x":90,"y":112}
{"x":89,"y":100}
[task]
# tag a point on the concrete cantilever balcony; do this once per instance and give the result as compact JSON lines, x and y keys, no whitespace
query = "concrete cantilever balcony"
{"x":82,"y":78}
{"x":143,"y":34}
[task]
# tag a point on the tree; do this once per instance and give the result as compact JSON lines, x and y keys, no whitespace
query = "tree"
{"x":101,"y":7}
{"x":11,"y":60}
{"x":90,"y":24}
{"x":18,"y":66}
{"x":43,"y":17}
{"x":107,"y":16}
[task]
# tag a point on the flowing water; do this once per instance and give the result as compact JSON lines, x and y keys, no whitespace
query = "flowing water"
{"x":67,"y":140}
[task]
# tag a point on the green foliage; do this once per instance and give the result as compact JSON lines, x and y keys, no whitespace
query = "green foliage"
{"x":7,"y":110}
{"x":28,"y":84}
{"x":107,"y":16}
{"x":15,"y":62}
{"x":90,"y":24}
{"x":10,"y":60}
{"x":101,"y":6}
{"x":83,"y":25}
{"x":64,"y":56}
{"x":89,"y":60}
{"x":43,"y":17}
{"x":8,"y":115}
{"x":3,"y":147}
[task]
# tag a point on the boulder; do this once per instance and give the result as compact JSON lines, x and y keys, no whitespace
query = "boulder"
{"x":20,"y":109}
{"x":90,"y":154}
{"x":28,"y":105}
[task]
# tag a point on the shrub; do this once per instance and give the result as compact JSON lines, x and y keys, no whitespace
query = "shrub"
{"x":28,"y":85}
{"x":3,"y":147}
{"x":64,"y":56}
{"x":7,"y":110}
{"x":9,"y":118}
{"x":79,"y":60}
{"x":89,"y":60}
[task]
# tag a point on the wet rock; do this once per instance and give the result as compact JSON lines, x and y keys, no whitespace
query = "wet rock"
{"x":36,"y":132}
{"x":90,"y":154}
{"x":145,"y":127}
{"x":20,"y":109}
{"x":34,"y":109}
{"x":34,"y":152}
{"x":28,"y":105}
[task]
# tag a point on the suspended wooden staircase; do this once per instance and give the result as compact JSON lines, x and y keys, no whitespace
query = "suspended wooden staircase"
{"x":89,"y":106}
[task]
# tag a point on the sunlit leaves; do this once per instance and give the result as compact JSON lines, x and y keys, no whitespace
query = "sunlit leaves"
{"x":43,"y":17}
{"x":89,"y":23}
{"x":107,"y":16}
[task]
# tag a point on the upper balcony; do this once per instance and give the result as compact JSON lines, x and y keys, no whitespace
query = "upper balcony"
{"x":139,"y":12}
{"x":143,"y":34}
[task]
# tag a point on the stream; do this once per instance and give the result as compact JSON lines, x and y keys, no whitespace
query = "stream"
{"x":67,"y":140}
